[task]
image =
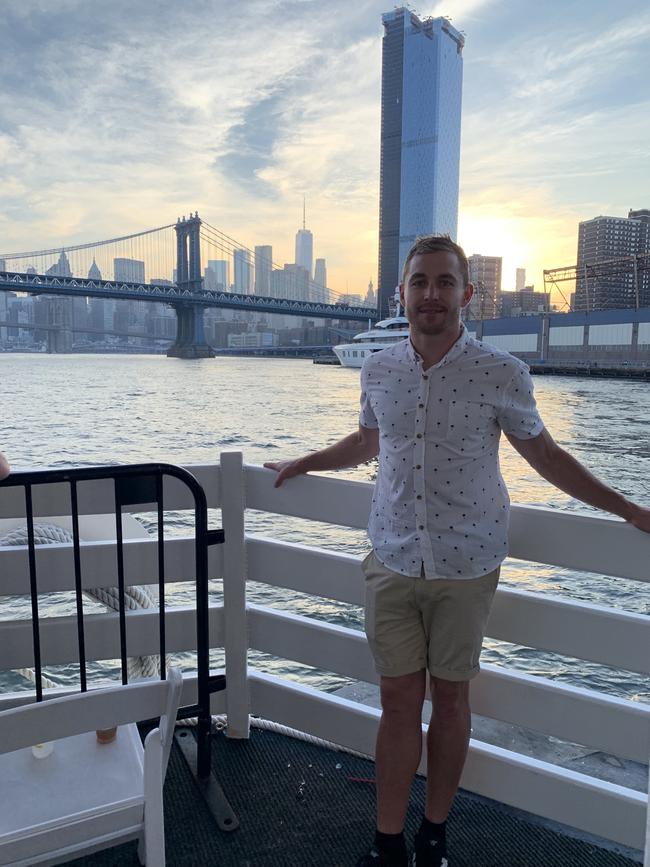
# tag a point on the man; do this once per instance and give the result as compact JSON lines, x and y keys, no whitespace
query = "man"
{"x":433,"y":407}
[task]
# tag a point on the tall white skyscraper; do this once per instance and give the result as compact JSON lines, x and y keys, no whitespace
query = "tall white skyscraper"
{"x":421,"y":92}
{"x":243,"y":272}
{"x":305,"y":250}
{"x":263,"y":268}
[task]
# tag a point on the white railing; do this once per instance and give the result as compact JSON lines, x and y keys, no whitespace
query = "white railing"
{"x":586,"y":632}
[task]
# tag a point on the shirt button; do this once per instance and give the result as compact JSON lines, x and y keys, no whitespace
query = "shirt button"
{"x":424,"y":376}
{"x":419,"y":436}
{"x":421,"y":527}
{"x":418,"y":466}
{"x":420,"y":406}
{"x":419,"y":497}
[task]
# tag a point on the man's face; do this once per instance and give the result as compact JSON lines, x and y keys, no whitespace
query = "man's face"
{"x":433,"y":293}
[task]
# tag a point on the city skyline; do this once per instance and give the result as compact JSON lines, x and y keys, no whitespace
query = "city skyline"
{"x":99,"y":134}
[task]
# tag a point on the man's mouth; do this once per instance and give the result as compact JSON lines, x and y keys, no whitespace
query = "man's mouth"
{"x":432,"y":309}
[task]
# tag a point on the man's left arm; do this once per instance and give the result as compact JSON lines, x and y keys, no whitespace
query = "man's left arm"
{"x":561,"y":469}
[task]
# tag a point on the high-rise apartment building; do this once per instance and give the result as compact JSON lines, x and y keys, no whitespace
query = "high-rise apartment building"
{"x":485,"y":274}
{"x":128,"y":270}
{"x":421,"y":92}
{"x":61,"y":268}
{"x":243,"y":272}
{"x":609,"y":275}
{"x":263,"y":268}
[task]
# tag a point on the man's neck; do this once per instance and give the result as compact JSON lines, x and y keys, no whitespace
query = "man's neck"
{"x":432,"y":348}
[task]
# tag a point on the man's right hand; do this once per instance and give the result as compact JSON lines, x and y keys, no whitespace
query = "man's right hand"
{"x":285,"y":470}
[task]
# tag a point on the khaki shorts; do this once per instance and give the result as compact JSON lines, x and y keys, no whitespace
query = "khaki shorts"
{"x":415,"y":623}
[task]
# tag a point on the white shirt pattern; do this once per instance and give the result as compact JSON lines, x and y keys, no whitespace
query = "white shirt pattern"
{"x":440,"y":501}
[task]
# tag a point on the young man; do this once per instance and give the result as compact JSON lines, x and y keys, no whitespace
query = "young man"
{"x":433,"y":408}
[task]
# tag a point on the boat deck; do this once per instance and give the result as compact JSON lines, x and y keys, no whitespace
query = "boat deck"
{"x":303,"y":804}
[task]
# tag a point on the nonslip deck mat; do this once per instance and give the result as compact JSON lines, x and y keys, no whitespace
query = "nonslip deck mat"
{"x":301,"y":805}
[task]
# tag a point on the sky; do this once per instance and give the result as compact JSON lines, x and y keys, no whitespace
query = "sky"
{"x":117,"y":117}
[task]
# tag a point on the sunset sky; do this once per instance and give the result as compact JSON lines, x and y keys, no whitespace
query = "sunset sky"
{"x":116,"y":117}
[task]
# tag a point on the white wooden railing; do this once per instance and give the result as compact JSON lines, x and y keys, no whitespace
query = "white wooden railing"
{"x":587,"y":632}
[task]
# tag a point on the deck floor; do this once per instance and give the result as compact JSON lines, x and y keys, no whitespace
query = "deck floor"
{"x":305,"y":805}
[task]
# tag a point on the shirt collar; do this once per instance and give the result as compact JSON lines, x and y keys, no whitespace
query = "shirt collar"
{"x":454,"y":352}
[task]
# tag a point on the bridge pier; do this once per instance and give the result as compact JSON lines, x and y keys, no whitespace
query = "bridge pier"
{"x":190,"y":338}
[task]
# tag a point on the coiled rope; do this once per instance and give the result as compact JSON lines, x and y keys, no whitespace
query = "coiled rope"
{"x":134,"y":598}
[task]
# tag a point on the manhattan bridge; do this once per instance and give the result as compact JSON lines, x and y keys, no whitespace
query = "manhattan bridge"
{"x":235,"y":279}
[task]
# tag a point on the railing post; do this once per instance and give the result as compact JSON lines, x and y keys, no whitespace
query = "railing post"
{"x":234,"y":594}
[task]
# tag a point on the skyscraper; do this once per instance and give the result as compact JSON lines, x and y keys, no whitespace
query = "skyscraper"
{"x":243,"y":272}
{"x":305,"y":250}
{"x":421,"y":91}
{"x":217,"y":274}
{"x":320,"y":292}
{"x":128,"y":270}
{"x":520,"y":280}
{"x":263,"y":268}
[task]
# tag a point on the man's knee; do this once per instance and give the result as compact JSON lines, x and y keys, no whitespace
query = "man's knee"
{"x":403,"y":695}
{"x":450,"y":699}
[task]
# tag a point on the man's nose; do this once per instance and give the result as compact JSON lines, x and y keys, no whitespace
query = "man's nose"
{"x":431,"y":290}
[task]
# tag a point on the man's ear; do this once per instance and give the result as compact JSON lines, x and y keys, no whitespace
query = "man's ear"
{"x":467,"y":294}
{"x":401,"y":295}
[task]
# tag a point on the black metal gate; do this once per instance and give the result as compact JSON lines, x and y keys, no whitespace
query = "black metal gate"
{"x":133,"y":485}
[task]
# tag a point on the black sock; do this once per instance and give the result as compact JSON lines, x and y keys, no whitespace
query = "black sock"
{"x":391,"y":844}
{"x":433,"y":830}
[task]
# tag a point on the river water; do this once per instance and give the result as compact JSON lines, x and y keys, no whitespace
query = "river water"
{"x":82,"y":410}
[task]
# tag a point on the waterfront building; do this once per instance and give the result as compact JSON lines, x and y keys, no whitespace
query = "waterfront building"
{"x":608,"y":274}
{"x":243,"y":271}
{"x":485,"y":274}
{"x":320,"y":281}
{"x":93,"y":272}
{"x":263,"y":268}
{"x":128,"y":270}
{"x":523,"y":302}
{"x":421,"y":91}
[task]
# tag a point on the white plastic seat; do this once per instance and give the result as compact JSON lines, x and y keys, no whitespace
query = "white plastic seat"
{"x":86,"y":796}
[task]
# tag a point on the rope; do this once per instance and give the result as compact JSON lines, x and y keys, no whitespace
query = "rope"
{"x":134,"y":598}
{"x":220,"y":723}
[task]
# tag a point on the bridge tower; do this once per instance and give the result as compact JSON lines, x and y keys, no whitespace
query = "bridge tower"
{"x":190,"y":338}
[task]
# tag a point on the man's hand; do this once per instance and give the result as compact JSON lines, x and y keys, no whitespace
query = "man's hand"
{"x":4,"y":467}
{"x":285,"y":470}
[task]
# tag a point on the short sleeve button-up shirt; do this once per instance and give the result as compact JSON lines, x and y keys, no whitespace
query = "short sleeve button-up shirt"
{"x":440,"y":502}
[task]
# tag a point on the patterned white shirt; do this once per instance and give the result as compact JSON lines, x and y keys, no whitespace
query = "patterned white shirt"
{"x":440,"y":502}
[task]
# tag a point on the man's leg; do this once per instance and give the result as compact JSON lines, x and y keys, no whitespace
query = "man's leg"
{"x":447,"y":743}
{"x":399,"y":747}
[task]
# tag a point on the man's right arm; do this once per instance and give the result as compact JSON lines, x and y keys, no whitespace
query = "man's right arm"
{"x":358,"y":447}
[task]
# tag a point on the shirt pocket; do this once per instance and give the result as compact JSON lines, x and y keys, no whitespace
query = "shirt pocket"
{"x":472,"y":428}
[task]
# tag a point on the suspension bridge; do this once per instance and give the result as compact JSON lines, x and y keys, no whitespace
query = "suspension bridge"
{"x":235,"y":278}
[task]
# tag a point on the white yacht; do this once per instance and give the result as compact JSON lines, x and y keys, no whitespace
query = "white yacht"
{"x":385,"y":333}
